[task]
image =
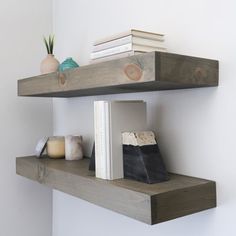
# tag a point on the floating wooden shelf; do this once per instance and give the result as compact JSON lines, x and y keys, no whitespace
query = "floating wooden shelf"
{"x":149,"y":203}
{"x":145,"y":72}
{"x":155,"y":203}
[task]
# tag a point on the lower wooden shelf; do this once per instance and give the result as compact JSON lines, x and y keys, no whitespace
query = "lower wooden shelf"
{"x":152,"y":204}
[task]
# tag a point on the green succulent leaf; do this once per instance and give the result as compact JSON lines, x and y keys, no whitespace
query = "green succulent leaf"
{"x":46,"y":44}
{"x":49,"y":43}
{"x":52,"y":44}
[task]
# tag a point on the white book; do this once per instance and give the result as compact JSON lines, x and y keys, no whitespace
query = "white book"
{"x":100,"y":139}
{"x":120,"y":116}
{"x":125,"y":48}
{"x":116,"y":56}
{"x":128,"y":39}
{"x":134,"y":32}
{"x":107,"y":139}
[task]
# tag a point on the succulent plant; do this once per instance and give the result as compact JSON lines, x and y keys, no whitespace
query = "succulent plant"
{"x":49,"y":43}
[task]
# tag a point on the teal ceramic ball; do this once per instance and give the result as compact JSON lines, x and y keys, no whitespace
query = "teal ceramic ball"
{"x":68,"y":64}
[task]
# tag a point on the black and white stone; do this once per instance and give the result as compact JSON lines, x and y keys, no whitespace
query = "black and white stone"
{"x":73,"y":147}
{"x":142,"y":158}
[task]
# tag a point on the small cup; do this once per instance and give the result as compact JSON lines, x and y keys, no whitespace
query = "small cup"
{"x":73,"y":147}
{"x":56,"y":147}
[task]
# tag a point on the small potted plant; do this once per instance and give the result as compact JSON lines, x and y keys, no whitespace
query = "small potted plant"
{"x":50,"y":63}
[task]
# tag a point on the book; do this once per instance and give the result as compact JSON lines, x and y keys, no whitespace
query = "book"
{"x":125,"y":48}
{"x":128,"y":39}
{"x":115,"y":56}
{"x":111,"y":118}
{"x":101,"y":139}
{"x":134,"y":32}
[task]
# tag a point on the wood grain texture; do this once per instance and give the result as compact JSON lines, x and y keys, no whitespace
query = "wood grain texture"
{"x":144,"y":72}
{"x":149,"y":203}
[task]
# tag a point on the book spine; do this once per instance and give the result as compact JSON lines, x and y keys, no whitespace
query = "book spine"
{"x":147,"y":42}
{"x":107,"y":144}
{"x":126,"y":40}
{"x":133,"y":32}
{"x":138,"y":47}
{"x":112,"y":51}
{"x":112,"y":37}
{"x":113,"y":43}
{"x":116,"y":56}
{"x":97,"y":120}
{"x":147,"y":35}
{"x":100,"y":151}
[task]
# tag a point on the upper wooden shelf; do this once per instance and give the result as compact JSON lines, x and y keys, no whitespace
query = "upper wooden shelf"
{"x":149,"y":203}
{"x":145,"y":72}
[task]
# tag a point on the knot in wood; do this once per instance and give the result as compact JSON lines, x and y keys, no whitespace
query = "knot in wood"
{"x":200,"y":73}
{"x":133,"y":72}
{"x":61,"y":79}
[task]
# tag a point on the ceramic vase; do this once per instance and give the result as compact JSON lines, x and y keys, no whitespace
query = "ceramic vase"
{"x":49,"y":64}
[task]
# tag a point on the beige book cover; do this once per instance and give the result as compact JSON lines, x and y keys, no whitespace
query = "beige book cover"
{"x":120,"y":116}
{"x":134,"y":32}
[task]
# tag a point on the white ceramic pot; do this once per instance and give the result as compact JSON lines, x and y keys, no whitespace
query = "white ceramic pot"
{"x":49,"y":64}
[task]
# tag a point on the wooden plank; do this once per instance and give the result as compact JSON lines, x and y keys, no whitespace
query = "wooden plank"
{"x":187,"y":70}
{"x":107,"y":74}
{"x":151,"y":204}
{"x":176,"y":203}
{"x":145,"y":72}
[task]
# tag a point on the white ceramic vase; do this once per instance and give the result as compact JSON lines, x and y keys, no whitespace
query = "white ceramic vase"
{"x":49,"y":64}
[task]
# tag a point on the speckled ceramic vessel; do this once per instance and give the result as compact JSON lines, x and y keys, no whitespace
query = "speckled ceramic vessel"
{"x":49,"y":64}
{"x":69,"y":63}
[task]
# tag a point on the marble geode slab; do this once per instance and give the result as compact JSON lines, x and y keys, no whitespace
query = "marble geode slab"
{"x":142,"y":158}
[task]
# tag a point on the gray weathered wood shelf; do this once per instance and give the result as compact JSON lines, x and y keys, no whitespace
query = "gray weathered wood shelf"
{"x":145,"y":72}
{"x":149,"y":203}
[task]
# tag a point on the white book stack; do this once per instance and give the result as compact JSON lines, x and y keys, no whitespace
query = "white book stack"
{"x":128,"y":43}
{"x":111,"y":118}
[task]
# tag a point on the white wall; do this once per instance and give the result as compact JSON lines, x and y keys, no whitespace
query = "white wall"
{"x":25,"y":206}
{"x":196,"y":127}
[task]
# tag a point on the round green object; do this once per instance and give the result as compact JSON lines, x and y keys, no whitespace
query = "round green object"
{"x":68,"y":64}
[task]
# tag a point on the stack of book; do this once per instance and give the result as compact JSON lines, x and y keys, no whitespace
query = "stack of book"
{"x":111,"y":118}
{"x":126,"y":44}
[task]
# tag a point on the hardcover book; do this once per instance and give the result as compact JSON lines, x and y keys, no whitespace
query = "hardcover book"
{"x":128,"y":39}
{"x":134,"y":32}
{"x":125,"y":48}
{"x":111,"y":118}
{"x":115,"y":56}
